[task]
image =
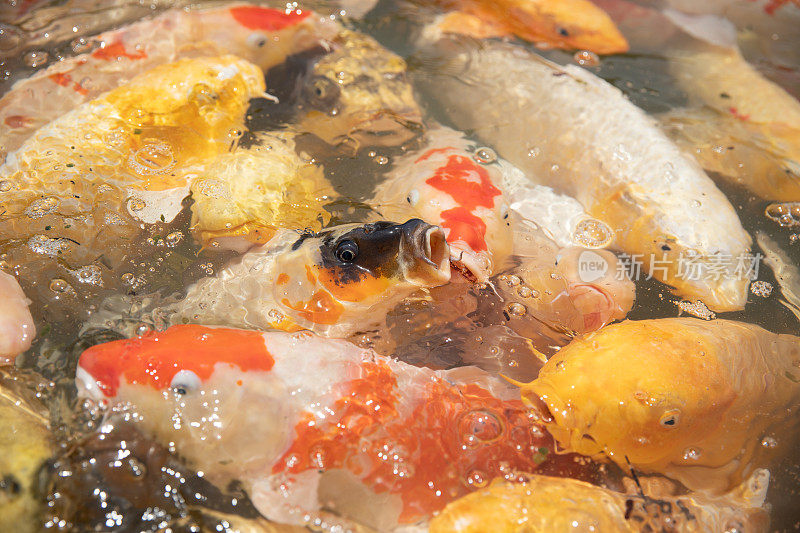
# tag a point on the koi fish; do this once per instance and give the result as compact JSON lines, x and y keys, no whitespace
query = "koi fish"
{"x":703,"y":402}
{"x":16,"y":323}
{"x":332,"y":282}
{"x":569,"y":25}
{"x":259,"y":35}
{"x":352,"y":91}
{"x":305,"y":422}
{"x":575,"y":132}
{"x":546,"y":503}
{"x":473,"y":196}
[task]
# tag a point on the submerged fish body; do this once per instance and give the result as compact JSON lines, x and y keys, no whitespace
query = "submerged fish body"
{"x":544,"y":503}
{"x":332,"y":282}
{"x":352,"y":91}
{"x":256,"y":34}
{"x":569,"y":25}
{"x":245,"y":195}
{"x":569,"y":129}
{"x":753,"y":114}
{"x":305,"y":422}
{"x":703,"y":402}
{"x":16,"y":323}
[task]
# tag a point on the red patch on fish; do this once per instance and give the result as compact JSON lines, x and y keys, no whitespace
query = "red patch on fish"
{"x":465,"y":227}
{"x":432,"y":152}
{"x":320,"y":309}
{"x":469,"y":185}
{"x":456,"y":439}
{"x":262,"y":18}
{"x":18,"y":121}
{"x":115,"y":50}
{"x":154,"y":359}
{"x":735,"y":112}
{"x":65,"y":80}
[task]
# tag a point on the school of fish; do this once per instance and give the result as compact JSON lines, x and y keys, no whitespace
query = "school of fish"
{"x":486,"y":336}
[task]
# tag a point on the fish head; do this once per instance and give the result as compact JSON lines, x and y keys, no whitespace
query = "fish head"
{"x":449,"y":187}
{"x":210,"y":391}
{"x":260,"y":34}
{"x":357,"y":92}
{"x":641,"y":392}
{"x":339,"y":279}
{"x":598,"y":288}
{"x":569,"y":25}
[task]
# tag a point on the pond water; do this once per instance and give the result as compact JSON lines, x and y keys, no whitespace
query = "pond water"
{"x":102,"y":473}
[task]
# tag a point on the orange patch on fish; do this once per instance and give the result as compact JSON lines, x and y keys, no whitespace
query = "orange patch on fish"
{"x":470,"y":186}
{"x":735,"y":112}
{"x":310,"y":275}
{"x":18,"y":121}
{"x":456,"y":434}
{"x":432,"y":152}
{"x":355,"y":291}
{"x":465,"y":227}
{"x":262,"y":18}
{"x":154,"y":359}
{"x":320,"y":309}
{"x":283,"y":278}
{"x":115,"y":50}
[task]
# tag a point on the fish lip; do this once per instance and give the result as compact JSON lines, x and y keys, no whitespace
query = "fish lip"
{"x":473,"y":266}
{"x":424,"y":254}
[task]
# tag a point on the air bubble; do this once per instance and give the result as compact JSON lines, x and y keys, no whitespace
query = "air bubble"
{"x":485,"y":155}
{"x":36,"y":58}
{"x":691,"y":454}
{"x":6,"y":185}
{"x":592,"y":233}
{"x":480,"y":426}
{"x":42,"y":206}
{"x":128,"y":278}
{"x":152,"y":158}
{"x":381,"y":159}
{"x":136,"y":204}
{"x":513,"y":280}
{"x":786,"y":214}
{"x":525,"y":292}
{"x":761,"y":288}
{"x":517,"y":309}
{"x":173,"y":238}
{"x":769,"y":442}
{"x":586,"y":58}
{"x":477,"y":479}
{"x":59,"y":285}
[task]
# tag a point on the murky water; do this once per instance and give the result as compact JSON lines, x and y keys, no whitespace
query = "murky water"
{"x":109,"y":477}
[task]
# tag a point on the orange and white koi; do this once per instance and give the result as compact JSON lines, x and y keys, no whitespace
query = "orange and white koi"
{"x":16,"y":323}
{"x":260,"y":35}
{"x":489,"y":211}
{"x":305,"y":422}
{"x":332,"y":282}
{"x":476,"y":198}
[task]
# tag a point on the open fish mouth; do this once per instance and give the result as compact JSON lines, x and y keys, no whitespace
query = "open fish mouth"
{"x":424,"y":254}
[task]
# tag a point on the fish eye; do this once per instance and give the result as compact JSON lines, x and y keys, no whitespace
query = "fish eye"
{"x":563,"y":32}
{"x":670,"y":419}
{"x":346,"y":251}
{"x":256,"y":40}
{"x":185,"y":382}
{"x":413,"y":197}
{"x":322,"y":93}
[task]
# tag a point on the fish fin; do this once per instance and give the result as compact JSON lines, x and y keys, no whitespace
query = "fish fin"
{"x":467,"y":24}
{"x":711,"y":29}
{"x":753,"y":491}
